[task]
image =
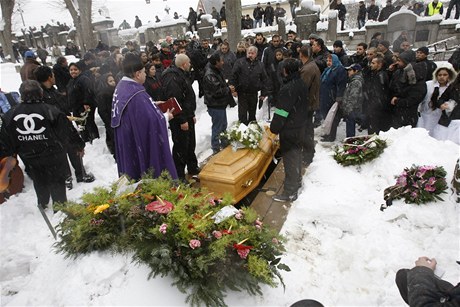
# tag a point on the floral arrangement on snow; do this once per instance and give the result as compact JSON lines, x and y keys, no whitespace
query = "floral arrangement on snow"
{"x":205,"y":244}
{"x":417,"y":185}
{"x":359,"y":150}
{"x":241,"y":136}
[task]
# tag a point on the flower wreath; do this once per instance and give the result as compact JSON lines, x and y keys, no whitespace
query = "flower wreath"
{"x":359,"y":150}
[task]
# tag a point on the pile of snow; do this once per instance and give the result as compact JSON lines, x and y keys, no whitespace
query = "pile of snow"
{"x":341,"y":248}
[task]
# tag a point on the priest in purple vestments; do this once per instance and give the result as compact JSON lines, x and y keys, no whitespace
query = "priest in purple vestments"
{"x":141,"y":133}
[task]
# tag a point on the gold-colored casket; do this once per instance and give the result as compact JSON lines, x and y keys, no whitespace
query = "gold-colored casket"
{"x":239,"y":172}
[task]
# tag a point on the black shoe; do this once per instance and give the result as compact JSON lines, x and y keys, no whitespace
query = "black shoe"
{"x":327,"y":138}
{"x":284,"y":197}
{"x":194,"y":171}
{"x":86,"y":178}
{"x":68,"y":183}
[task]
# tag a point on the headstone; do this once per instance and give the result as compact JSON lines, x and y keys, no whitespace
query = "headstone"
{"x":332,"y":29}
{"x":306,"y":20}
{"x":282,"y":28}
{"x":206,"y":29}
{"x":403,"y":21}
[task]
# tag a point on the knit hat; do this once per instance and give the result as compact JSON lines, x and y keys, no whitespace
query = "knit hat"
{"x":384,"y":43}
{"x":424,"y":50}
{"x":313,"y":35}
{"x":406,"y":57}
{"x":30,"y":54}
{"x":164,"y":45}
{"x":338,"y":43}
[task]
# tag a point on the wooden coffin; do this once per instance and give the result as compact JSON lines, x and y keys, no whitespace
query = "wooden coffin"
{"x":238,"y":172}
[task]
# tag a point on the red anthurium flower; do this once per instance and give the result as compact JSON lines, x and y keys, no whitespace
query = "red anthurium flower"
{"x":160,"y":206}
{"x":242,"y":250}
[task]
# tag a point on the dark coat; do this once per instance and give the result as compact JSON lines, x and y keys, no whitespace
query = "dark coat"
{"x":269,"y":13}
{"x":426,"y":68}
{"x":229,"y":61}
{"x":258,"y":13}
{"x":177,"y":84}
{"x":154,"y":88}
{"x":321,"y":59}
{"x":53,"y":97}
{"x":452,"y":92}
{"x":386,"y":12}
{"x":333,"y":84}
{"x":27,"y":71}
{"x":353,"y":96}
{"x":217,"y":94}
{"x":425,"y":289}
{"x":410,"y":92}
{"x":80,"y":92}
{"x":292,"y":109}
{"x":250,"y":77}
{"x":342,"y":11}
{"x":311,"y":76}
{"x":261,"y":48}
{"x":49,"y":136}
{"x":362,"y":12}
{"x":372,"y":12}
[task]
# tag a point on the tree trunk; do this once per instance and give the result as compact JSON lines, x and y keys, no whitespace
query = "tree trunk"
{"x":5,"y":31}
{"x":233,"y":15}
{"x":81,"y":15}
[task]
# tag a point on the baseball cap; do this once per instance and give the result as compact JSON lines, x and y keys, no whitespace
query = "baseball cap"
{"x":356,"y":67}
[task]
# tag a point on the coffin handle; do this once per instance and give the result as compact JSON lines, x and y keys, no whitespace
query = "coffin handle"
{"x":247,"y":184}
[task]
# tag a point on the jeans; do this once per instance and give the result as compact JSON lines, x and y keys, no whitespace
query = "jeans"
{"x":361,"y":23}
{"x":257,"y":21}
{"x":219,"y":124}
{"x":351,"y":123}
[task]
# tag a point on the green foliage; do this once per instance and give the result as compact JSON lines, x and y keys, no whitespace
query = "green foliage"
{"x":171,"y":229}
{"x":359,"y":150}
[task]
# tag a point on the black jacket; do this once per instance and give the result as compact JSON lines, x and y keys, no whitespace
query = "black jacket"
{"x":425,"y":289}
{"x":217,"y":94}
{"x":176,"y":84}
{"x":250,"y":77}
{"x":52,"y":97}
{"x":154,"y":88}
{"x":292,"y":107}
{"x":409,"y":95}
{"x":452,"y":92}
{"x":80,"y":92}
{"x":36,"y":130}
{"x":372,"y":12}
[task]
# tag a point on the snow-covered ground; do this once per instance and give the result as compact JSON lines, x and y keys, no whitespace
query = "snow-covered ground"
{"x":343,"y":251}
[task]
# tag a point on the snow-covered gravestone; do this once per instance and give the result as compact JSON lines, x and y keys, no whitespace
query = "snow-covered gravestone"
{"x":206,"y":27}
{"x":403,"y":20}
{"x":307,"y":18}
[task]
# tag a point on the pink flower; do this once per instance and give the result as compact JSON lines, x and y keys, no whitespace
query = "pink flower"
{"x":194,"y":243}
{"x":414,"y":194}
{"x":160,"y":206}
{"x":431,"y":180}
{"x":163,"y":228}
{"x":258,"y":223}
{"x":258,"y":227}
{"x":217,"y":234}
{"x":401,"y":181}
{"x":429,"y":188}
{"x":275,"y":241}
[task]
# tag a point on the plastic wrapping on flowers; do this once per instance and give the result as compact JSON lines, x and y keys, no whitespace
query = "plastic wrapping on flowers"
{"x":418,"y":185}
{"x":241,"y":136}
{"x":205,"y":244}
{"x":359,"y":150}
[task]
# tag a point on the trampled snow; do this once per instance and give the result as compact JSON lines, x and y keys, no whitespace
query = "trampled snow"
{"x":343,"y":251}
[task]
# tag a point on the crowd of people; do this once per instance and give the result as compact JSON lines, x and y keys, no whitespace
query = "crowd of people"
{"x":375,"y":88}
